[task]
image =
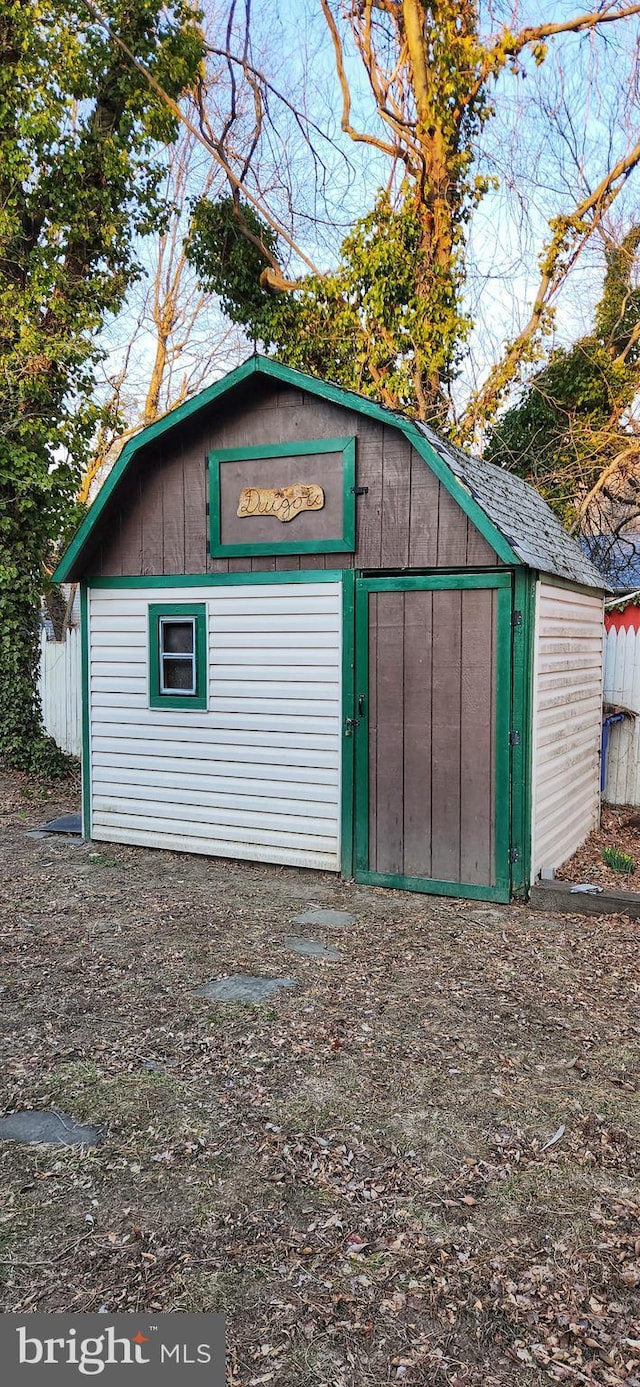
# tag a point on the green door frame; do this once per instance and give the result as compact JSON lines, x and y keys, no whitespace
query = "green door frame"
{"x":502,"y":581}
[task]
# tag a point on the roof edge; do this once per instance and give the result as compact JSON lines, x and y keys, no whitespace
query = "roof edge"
{"x":160,"y":426}
{"x":270,"y":367}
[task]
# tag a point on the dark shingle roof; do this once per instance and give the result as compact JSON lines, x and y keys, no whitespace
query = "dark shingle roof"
{"x":521,"y":515}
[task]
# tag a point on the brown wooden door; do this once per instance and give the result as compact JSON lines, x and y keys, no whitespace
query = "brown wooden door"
{"x":433,"y":675}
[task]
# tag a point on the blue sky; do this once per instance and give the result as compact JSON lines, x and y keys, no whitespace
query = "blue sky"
{"x":591,"y":110}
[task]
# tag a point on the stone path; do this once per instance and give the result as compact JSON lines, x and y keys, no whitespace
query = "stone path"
{"x":66,"y":823}
{"x":48,"y":1128}
{"x":328,"y":919}
{"x":312,"y":948}
{"x":242,"y":987}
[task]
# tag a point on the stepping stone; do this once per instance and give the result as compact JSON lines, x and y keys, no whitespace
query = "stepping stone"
{"x":312,"y":948}
{"x":487,"y":917}
{"x":67,"y":823}
{"x":47,"y":1128}
{"x":241,"y":987}
{"x":328,"y":919}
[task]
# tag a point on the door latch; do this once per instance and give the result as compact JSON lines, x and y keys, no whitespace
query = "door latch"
{"x":349,"y":724}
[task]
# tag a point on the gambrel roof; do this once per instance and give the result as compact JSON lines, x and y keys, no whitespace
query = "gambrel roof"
{"x":512,"y":516}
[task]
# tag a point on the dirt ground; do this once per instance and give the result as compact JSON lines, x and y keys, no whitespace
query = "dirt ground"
{"x":619,"y":828}
{"x":419,"y":1166}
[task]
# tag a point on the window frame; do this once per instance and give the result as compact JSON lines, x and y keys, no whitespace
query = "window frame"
{"x":178,"y":611}
{"x":345,"y":543}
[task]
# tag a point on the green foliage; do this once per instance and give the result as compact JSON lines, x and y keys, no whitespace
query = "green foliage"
{"x":570,"y":424}
{"x":366,"y":326}
{"x":618,"y":860}
{"x":230,"y":247}
{"x":388,"y":321}
{"x":79,"y":178}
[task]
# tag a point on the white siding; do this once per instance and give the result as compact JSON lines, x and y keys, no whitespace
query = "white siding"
{"x":59,"y":683}
{"x":257,"y":774}
{"x":567,"y":714}
{"x":622,"y":685}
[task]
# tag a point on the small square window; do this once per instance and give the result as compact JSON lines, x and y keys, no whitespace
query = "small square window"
{"x":177,"y":656}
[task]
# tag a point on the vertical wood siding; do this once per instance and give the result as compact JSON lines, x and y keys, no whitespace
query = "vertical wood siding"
{"x":622,"y":685}
{"x":59,"y":684}
{"x":406,"y":519}
{"x":567,"y":705}
{"x":256,"y":775}
{"x":432,"y":676}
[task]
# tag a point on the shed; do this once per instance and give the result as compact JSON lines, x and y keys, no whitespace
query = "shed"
{"x":316,"y":634}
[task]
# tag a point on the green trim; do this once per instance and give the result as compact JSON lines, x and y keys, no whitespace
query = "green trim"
{"x":141,"y":440}
{"x":189,"y":702}
{"x":348,"y":399}
{"x":429,"y":887}
{"x":361,"y":784}
{"x":500,"y":890}
{"x":86,"y":697}
{"x":284,"y":450}
{"x":495,"y":578}
{"x":521,"y":720}
{"x":502,"y":790}
{"x":343,"y":544}
{"x":214,"y":580}
{"x":348,"y":742}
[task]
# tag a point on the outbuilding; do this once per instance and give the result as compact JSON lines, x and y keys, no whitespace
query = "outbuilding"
{"x":315,"y":633}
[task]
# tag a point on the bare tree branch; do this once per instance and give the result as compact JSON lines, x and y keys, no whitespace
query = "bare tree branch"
{"x":207,"y":144}
{"x":570,"y":234}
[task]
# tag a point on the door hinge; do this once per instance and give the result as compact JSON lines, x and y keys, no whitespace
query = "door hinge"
{"x":516,"y":618}
{"x":514,"y":854}
{"x":359,"y":490}
{"x":514,"y":739}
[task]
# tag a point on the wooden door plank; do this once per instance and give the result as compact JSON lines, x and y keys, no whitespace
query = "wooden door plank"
{"x":445,"y":735}
{"x":372,"y":729}
{"x":476,"y":722}
{"x":389,"y":674}
{"x":418,"y":633}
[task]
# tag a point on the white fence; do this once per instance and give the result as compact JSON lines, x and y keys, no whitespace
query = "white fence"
{"x":60,"y":690}
{"x":622,"y":685}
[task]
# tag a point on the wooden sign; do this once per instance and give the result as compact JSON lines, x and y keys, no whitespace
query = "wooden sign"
{"x":284,"y":502}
